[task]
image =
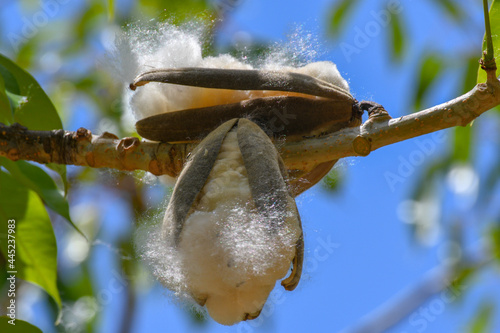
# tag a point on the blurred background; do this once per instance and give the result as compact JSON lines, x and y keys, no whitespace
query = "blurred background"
{"x":406,"y":238}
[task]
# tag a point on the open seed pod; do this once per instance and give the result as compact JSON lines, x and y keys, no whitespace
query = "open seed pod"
{"x":292,"y":106}
{"x":234,"y":222}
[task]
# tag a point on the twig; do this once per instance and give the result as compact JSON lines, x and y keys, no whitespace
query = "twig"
{"x":83,"y":148}
{"x":444,"y":279}
{"x":380,"y":130}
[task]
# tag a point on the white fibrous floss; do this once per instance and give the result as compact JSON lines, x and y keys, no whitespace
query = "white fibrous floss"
{"x":232,"y":256}
{"x":168,"y":46}
{"x":226,"y":258}
{"x":229,"y":254}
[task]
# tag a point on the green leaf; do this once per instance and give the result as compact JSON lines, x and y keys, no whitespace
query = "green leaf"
{"x":32,"y":108}
{"x":470,"y":74}
{"x":16,"y":198}
{"x":430,"y":172}
{"x":111,"y":10}
{"x":179,"y":11}
{"x":6,"y":115}
{"x":90,"y":19}
{"x":34,"y":178}
{"x":495,"y":35}
{"x":396,"y":36}
{"x":429,"y":71}
{"x":35,"y":243}
{"x":490,"y":181}
{"x":61,"y":170}
{"x":333,"y":180}
{"x":462,"y":136}
{"x":16,"y":102}
{"x":452,"y":8}
{"x":38,"y":113}
{"x":20,"y":327}
{"x":339,"y":15}
{"x":495,"y":241}
{"x":481,"y":322}
{"x":462,"y":144}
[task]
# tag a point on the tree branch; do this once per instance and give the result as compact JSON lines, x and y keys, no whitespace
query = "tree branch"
{"x":381,"y":130}
{"x":107,"y":150}
{"x":84,"y":149}
{"x":445,"y":280}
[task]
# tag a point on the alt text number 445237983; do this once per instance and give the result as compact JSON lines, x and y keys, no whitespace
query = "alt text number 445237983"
{"x":11,"y":264}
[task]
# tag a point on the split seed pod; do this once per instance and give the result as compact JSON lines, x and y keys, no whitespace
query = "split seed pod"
{"x":298,"y":106}
{"x":234,"y":222}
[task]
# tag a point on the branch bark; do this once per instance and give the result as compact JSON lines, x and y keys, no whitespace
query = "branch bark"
{"x":84,"y":149}
{"x":381,"y":130}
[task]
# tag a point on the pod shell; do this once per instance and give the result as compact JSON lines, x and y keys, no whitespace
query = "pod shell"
{"x":266,"y":176}
{"x":243,"y":79}
{"x":291,"y":117}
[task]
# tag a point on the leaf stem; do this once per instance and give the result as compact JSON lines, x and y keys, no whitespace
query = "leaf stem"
{"x":488,"y":56}
{"x":488,"y":61}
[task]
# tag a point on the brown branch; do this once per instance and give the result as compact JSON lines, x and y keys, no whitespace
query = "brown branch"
{"x":381,"y":130}
{"x":83,"y":148}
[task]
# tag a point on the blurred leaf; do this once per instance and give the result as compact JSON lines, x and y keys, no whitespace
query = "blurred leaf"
{"x":339,"y":15}
{"x":452,"y":8}
{"x":78,"y":287}
{"x":425,"y":190}
{"x":495,"y":241}
{"x":36,"y":179}
{"x":6,"y":115}
{"x":481,"y":323}
{"x":431,"y":171}
{"x":462,"y":143}
{"x":38,"y":113}
{"x":20,"y":327}
{"x":111,"y":10}
{"x":470,"y":74}
{"x":177,"y":11}
{"x":396,"y":36}
{"x":197,"y":317}
{"x":35,"y":243}
{"x":464,"y":274}
{"x":27,"y":51}
{"x":89,"y":20}
{"x":431,"y":67}
{"x":333,"y":180}
{"x":490,"y":181}
{"x":253,"y":54}
{"x":495,"y":35}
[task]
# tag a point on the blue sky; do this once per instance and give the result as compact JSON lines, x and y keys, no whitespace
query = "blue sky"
{"x":359,"y":252}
